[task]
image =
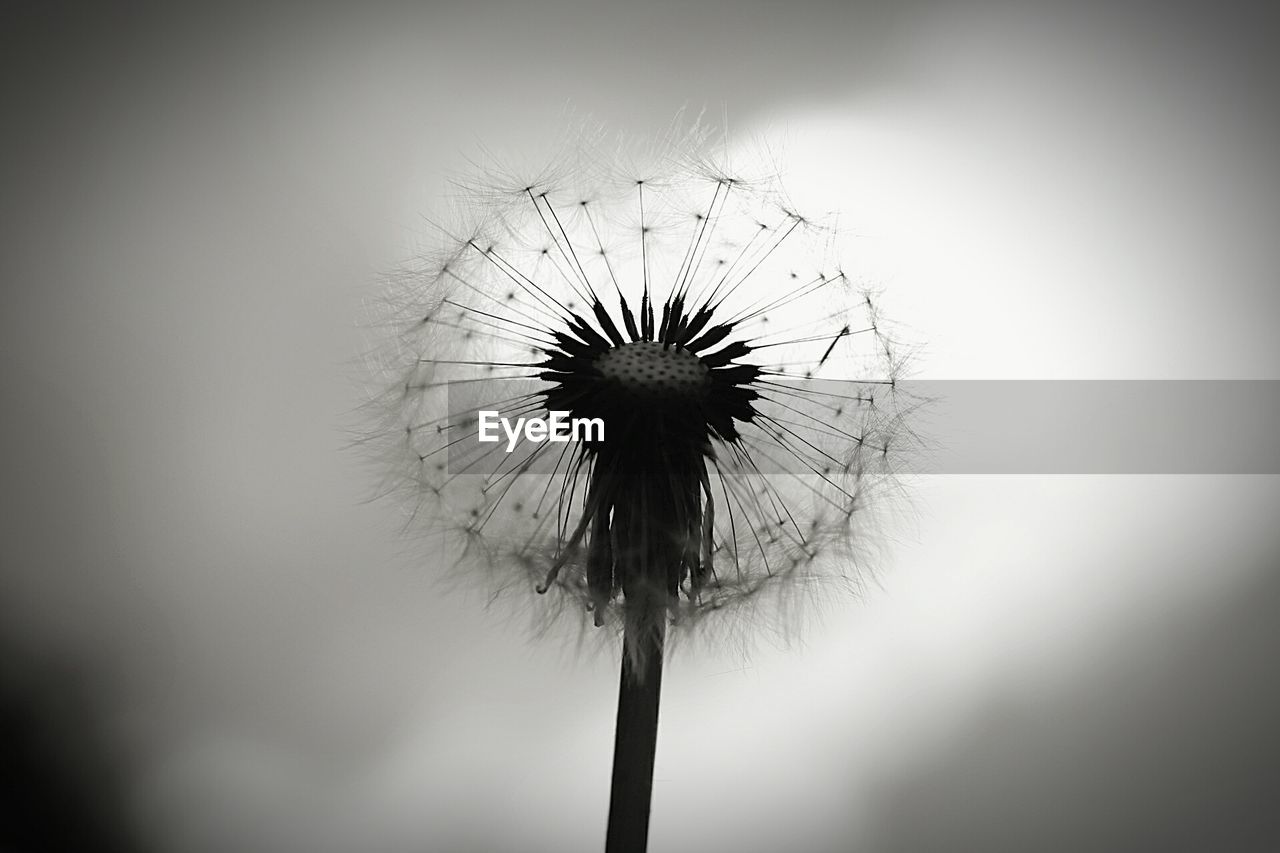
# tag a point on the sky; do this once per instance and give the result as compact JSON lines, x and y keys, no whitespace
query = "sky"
{"x":212,"y":639}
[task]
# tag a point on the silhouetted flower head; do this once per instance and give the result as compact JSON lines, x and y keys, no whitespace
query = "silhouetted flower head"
{"x":743,"y":378}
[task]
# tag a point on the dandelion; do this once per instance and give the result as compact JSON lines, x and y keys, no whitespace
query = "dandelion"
{"x":742,"y":378}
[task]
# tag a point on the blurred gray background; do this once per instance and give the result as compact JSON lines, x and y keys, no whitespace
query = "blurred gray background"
{"x":211,"y":641}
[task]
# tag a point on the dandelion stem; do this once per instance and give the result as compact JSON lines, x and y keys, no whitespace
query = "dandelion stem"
{"x":635,"y":740}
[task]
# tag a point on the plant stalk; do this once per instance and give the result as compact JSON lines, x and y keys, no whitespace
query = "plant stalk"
{"x":636,"y":740}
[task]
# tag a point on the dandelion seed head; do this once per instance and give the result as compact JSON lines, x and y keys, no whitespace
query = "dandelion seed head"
{"x":731,"y":359}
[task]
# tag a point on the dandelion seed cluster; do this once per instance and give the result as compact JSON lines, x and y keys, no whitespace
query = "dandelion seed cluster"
{"x":744,"y":378}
